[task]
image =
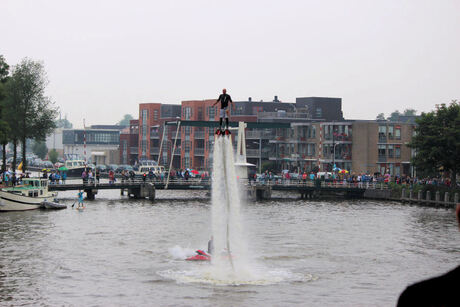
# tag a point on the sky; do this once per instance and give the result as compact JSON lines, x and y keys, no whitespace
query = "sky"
{"x":103,"y":58}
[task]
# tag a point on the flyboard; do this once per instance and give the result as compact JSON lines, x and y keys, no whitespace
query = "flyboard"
{"x":226,"y":136}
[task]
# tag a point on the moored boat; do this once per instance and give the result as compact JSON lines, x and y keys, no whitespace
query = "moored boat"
{"x":28,"y":196}
{"x":75,"y":167}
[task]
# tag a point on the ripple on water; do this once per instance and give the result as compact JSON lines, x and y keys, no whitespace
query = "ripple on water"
{"x":210,"y":277}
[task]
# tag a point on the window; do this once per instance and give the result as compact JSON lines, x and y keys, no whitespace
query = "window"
{"x":398,"y":133}
{"x":382,"y":150}
{"x":212,"y":112}
{"x":155,"y":115}
{"x":144,"y":124}
{"x":390,"y":132}
{"x":398,"y":151}
{"x":319,"y":113}
{"x":390,"y":151}
{"x":382,"y":132}
{"x":188,"y":113}
{"x":256,"y":110}
{"x":187,"y":146}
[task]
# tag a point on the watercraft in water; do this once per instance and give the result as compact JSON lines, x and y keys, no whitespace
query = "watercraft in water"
{"x":200,"y":256}
{"x":53,"y":205}
{"x":31,"y":194}
{"x":75,"y":167}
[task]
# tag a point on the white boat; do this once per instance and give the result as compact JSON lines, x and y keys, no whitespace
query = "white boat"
{"x":75,"y":167}
{"x":27,"y":196}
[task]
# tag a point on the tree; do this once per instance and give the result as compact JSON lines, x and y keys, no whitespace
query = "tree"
{"x":63,"y":123}
{"x":437,"y":140}
{"x":125,"y":120}
{"x":4,"y":127}
{"x":394,"y":116}
{"x":29,"y":112}
{"x":39,"y":148}
{"x":410,"y":112}
{"x":53,"y":155}
{"x":4,"y":70}
{"x":380,"y":116}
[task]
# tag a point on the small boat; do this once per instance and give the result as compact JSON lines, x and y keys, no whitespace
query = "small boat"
{"x":53,"y":205}
{"x":75,"y":167}
{"x":27,"y":196}
{"x":200,"y":256}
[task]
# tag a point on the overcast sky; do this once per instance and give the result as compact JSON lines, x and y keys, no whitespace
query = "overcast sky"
{"x":103,"y":58}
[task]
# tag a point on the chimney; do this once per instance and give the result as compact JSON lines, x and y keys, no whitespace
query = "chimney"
{"x":276,"y":99}
{"x":250,"y":99}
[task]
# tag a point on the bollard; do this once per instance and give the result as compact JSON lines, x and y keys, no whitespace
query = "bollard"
{"x":428,"y":196}
{"x":411,"y":194}
{"x":403,"y":193}
{"x":446,"y":197}
{"x":437,"y":196}
{"x":419,"y":196}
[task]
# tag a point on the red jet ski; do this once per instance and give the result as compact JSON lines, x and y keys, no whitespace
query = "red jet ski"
{"x":200,"y":256}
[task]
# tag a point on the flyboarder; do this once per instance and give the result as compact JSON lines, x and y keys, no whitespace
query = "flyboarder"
{"x":224,"y":99}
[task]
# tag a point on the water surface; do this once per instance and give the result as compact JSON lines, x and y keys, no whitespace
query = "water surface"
{"x":312,"y":253}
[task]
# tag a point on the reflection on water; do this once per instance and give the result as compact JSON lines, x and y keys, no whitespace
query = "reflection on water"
{"x":130,"y":252}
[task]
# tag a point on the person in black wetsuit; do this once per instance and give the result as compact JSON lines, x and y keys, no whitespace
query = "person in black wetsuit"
{"x":224,"y":99}
{"x":438,"y":291}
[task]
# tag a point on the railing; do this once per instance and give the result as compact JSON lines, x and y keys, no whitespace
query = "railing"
{"x":259,"y":134}
{"x":323,"y":184}
{"x":199,"y":151}
{"x":199,"y":135}
{"x":283,"y":115}
{"x":252,"y":152}
{"x":199,"y":182}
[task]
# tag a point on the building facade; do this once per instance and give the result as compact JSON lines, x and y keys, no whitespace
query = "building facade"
{"x":318,"y":138}
{"x":85,"y":143}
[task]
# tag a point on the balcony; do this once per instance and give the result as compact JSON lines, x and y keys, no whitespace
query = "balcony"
{"x":338,"y":138}
{"x":288,"y":115}
{"x":199,"y":135}
{"x":382,"y":158}
{"x":154,"y":135}
{"x":252,"y":153}
{"x":199,"y":151}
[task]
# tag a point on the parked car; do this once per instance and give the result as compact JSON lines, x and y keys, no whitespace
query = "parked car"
{"x":112,"y":167}
{"x":47,"y":164}
{"x":101,"y":168}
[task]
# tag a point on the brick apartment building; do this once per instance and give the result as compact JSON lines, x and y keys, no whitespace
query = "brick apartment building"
{"x":318,"y":137}
{"x":129,"y":142}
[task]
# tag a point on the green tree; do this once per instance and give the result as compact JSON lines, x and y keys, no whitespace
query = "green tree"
{"x":394,"y":116}
{"x":39,"y":148}
{"x":53,"y":155}
{"x":437,"y":140}
{"x":380,"y":116}
{"x":4,"y":127}
{"x":29,"y":112}
{"x":63,"y":123}
{"x":410,"y":112}
{"x":125,"y":120}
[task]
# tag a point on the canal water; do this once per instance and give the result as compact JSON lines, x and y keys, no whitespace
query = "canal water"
{"x":121,"y":252}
